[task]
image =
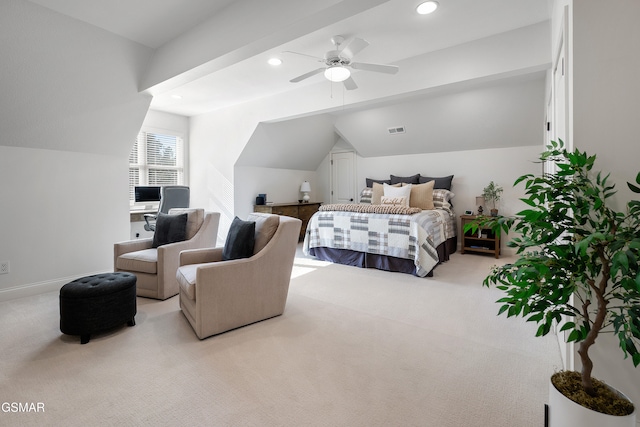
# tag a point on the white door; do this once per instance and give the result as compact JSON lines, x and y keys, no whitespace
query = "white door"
{"x":343,"y":177}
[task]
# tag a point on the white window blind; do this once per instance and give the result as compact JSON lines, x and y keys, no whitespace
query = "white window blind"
{"x":156,"y":159}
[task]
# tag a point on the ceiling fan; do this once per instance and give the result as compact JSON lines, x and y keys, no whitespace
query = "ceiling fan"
{"x":338,"y":63}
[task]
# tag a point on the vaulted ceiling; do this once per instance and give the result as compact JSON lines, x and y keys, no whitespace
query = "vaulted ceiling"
{"x":208,"y":55}
{"x":213,"y":53}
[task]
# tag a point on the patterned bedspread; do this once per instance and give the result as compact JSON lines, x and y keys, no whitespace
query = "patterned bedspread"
{"x":412,"y":237}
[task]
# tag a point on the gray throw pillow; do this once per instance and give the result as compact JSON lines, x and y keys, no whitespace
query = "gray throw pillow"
{"x":370,"y":181}
{"x":413,"y":179}
{"x":442,"y":182}
{"x":169,"y":229}
{"x":240,"y":240}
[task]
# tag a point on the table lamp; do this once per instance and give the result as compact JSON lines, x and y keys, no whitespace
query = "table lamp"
{"x":305,"y":188}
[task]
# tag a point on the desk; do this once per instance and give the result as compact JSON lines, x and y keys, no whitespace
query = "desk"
{"x":138,"y":215}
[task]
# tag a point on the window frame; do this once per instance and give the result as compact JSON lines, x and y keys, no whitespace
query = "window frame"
{"x":143,"y":167}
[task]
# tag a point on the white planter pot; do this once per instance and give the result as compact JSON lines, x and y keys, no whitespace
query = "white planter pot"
{"x":564,"y":412}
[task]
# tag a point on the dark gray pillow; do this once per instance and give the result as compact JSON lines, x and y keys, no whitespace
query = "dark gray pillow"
{"x":442,"y":182}
{"x":370,"y":181}
{"x":413,"y":179}
{"x":240,"y":240}
{"x":169,"y":229}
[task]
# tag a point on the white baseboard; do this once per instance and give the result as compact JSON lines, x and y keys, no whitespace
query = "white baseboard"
{"x":39,"y":287}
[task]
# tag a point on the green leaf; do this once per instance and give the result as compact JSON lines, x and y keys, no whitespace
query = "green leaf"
{"x":620,"y":260}
{"x":574,"y":336}
{"x":522,"y":178}
{"x":503,"y":309}
{"x":535,"y":317}
{"x":568,"y":325}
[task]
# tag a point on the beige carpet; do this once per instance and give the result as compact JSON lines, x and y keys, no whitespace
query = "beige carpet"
{"x":354,"y":348}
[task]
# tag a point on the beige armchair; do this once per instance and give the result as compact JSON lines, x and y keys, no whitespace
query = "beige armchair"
{"x":217,"y":296}
{"x":155,"y":268}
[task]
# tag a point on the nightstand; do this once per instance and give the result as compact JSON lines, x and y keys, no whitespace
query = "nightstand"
{"x":482,"y":241}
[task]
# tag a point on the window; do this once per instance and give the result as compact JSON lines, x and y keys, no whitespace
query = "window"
{"x":156,"y":159}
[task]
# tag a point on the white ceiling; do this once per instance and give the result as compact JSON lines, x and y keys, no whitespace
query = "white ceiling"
{"x":393,"y":29}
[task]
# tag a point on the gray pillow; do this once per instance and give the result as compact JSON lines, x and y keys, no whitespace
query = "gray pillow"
{"x":413,"y":179}
{"x":240,"y":240}
{"x":169,"y":229}
{"x":370,"y":181}
{"x":442,"y":182}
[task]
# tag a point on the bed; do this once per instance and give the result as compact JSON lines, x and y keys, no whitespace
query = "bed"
{"x":371,"y":234}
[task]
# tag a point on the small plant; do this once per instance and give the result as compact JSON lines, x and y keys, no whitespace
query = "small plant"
{"x":492,"y":194}
{"x":578,"y":259}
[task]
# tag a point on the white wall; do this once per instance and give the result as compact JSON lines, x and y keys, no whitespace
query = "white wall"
{"x":280,"y":186}
{"x":472,"y":170}
{"x":69,"y":113}
{"x":167,"y":121}
{"x":61,"y":213}
{"x":606,"y":101}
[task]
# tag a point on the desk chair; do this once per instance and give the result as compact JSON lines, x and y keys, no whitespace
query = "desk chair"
{"x":171,"y":196}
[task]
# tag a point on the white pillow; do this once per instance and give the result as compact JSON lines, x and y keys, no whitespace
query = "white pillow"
{"x":393,"y":201}
{"x":390,"y":191}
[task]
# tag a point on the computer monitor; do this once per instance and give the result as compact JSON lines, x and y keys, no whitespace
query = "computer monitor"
{"x":148,"y":196}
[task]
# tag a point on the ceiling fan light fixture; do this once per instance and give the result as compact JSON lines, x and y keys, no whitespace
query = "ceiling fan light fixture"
{"x":427,"y":7}
{"x":337,"y":74}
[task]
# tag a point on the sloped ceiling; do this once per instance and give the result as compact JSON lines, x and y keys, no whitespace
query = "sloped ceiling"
{"x":299,"y":144}
{"x":67,"y":85}
{"x":512,"y":108}
{"x":460,"y":119}
{"x":217,"y":58}
{"x":151,"y":23}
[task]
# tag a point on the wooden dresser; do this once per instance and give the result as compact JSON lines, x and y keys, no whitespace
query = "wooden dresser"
{"x":302,"y":211}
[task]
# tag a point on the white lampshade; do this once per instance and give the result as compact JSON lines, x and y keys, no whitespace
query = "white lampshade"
{"x":305,"y":188}
{"x":337,"y":73}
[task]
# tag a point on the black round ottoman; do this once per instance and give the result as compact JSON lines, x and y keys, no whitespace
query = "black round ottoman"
{"x":97,"y":303}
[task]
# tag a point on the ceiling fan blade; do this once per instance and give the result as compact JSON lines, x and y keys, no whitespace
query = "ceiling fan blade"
{"x":379,"y":68}
{"x":307,"y":75}
{"x":350,"y":84}
{"x":304,"y":54}
{"x":354,"y":46}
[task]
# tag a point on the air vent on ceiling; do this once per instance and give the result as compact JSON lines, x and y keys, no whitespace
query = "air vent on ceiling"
{"x":395,"y":130}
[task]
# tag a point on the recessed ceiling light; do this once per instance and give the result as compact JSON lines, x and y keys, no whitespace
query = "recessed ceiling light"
{"x":176,"y":96}
{"x":427,"y":7}
{"x":274,"y":61}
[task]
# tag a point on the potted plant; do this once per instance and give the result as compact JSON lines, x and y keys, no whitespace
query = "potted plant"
{"x":491,"y":195}
{"x":578,"y":266}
